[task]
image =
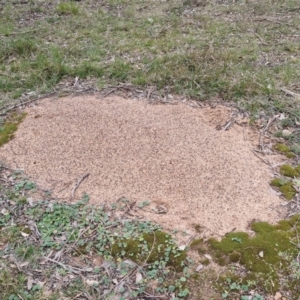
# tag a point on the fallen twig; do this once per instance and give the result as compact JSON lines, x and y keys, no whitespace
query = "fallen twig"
{"x":123,"y":279}
{"x":24,"y":103}
{"x":290,"y":93}
{"x":262,"y":41}
{"x":71,"y":269}
{"x":260,"y":158}
{"x":78,"y":184}
{"x":228,"y":124}
{"x":23,"y":32}
{"x":262,"y":134}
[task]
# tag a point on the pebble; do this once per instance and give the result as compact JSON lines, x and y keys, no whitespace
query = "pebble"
{"x":286,"y":132}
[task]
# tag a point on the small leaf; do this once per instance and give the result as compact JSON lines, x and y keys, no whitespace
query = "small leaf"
{"x":171,"y":288}
{"x":224,"y":295}
{"x":235,"y":239}
{"x":245,"y":288}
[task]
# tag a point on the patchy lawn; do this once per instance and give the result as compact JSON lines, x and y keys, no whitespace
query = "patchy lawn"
{"x":246,"y":51}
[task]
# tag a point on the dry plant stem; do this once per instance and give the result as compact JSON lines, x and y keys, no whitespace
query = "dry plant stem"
{"x":262,"y":135}
{"x":72,"y":269}
{"x":262,"y":41}
{"x":154,"y":241}
{"x":290,"y":93}
{"x":23,"y":32}
{"x":26,"y":102}
{"x":266,"y":162}
{"x":79,"y":294}
{"x":78,"y":184}
{"x":6,"y":75}
{"x":189,"y":240}
{"x":155,"y":297}
{"x":123,"y":279}
{"x":228,"y":124}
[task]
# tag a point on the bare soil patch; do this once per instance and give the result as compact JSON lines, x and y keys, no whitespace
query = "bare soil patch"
{"x":169,"y":155}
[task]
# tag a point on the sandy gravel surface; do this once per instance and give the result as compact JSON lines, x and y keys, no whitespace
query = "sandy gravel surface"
{"x":170,"y":155}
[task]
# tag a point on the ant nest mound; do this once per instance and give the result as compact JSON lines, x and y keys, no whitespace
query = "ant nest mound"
{"x":170,"y":162}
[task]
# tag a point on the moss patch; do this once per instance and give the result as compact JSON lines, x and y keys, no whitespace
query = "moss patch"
{"x":150,"y":248}
{"x":8,"y":129}
{"x":263,"y":255}
{"x":289,"y":171}
{"x":285,"y":186}
{"x":284,"y":149}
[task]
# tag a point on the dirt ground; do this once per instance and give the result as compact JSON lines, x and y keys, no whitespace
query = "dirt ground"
{"x":173,"y":157}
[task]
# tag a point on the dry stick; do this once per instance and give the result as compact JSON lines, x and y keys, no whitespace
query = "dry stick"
{"x":23,"y":32}
{"x":228,"y":124}
{"x":6,"y":75}
{"x":123,"y":279}
{"x":77,"y":296}
{"x":262,"y":41}
{"x":72,"y":269}
{"x":152,"y":296}
{"x":261,"y":138}
{"x":189,"y":240}
{"x":260,"y":158}
{"x":26,"y":102}
{"x":290,"y":93}
{"x":78,"y":184}
{"x":154,"y":241}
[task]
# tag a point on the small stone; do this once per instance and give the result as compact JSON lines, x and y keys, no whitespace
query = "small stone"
{"x":286,"y":132}
{"x":4,"y":212}
{"x":138,"y":278}
{"x":90,"y":282}
{"x":277,"y":296}
{"x":261,"y":254}
{"x":208,"y":256}
{"x":199,"y":268}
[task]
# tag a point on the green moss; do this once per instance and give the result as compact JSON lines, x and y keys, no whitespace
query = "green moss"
{"x":283,"y":225}
{"x":261,"y":254}
{"x":150,"y":248}
{"x":8,"y":129}
{"x":288,"y":171}
{"x":276,"y":182}
{"x":199,"y":245}
{"x":288,"y":191}
{"x":282,"y":148}
{"x":285,"y":186}
{"x":196,"y":243}
{"x":297,"y":169}
{"x":290,"y":155}
{"x":234,"y":257}
{"x":205,"y":261}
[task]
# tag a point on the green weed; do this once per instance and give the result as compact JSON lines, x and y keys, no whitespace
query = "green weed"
{"x":65,"y":8}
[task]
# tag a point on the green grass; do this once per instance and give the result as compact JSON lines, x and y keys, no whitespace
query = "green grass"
{"x":240,"y":50}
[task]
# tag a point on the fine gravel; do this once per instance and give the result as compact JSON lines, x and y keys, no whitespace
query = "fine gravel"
{"x":170,"y":156}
